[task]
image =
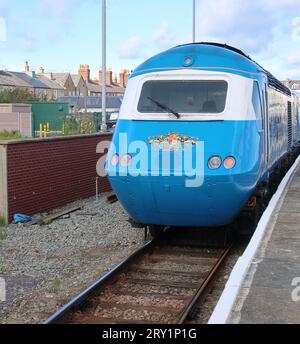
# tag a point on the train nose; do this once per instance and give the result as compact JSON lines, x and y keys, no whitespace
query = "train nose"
{"x":174,"y":197}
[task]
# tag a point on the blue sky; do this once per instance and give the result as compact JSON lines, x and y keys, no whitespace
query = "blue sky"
{"x":61,"y":34}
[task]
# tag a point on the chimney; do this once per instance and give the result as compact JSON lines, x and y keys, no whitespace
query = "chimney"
{"x":26,"y":68}
{"x":123,"y":76}
{"x":84,"y":71}
{"x":109,"y":77}
{"x":100,"y":76}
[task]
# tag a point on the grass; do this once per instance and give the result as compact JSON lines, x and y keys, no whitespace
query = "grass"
{"x":9,"y":135}
{"x":56,"y":282}
{"x":3,"y":224}
{"x":2,"y":236}
{"x":2,"y":221}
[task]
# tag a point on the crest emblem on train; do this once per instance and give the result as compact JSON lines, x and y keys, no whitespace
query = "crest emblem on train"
{"x":173,"y":141}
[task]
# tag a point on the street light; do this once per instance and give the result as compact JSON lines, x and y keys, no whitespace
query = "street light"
{"x":194,"y":21}
{"x":104,"y":124}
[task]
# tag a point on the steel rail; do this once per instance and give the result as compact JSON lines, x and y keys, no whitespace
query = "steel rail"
{"x":184,"y":315}
{"x":54,"y":319}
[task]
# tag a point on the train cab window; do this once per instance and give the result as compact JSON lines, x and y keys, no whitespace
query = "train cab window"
{"x":257,"y":105}
{"x":184,"y":96}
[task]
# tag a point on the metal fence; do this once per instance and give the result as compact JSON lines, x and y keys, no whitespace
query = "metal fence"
{"x":52,"y":119}
{"x":51,"y":115}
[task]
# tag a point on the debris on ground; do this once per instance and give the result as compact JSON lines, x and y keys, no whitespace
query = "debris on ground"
{"x":21,"y":218}
{"x":65,"y":213}
{"x":46,"y":266}
{"x":112,"y":199}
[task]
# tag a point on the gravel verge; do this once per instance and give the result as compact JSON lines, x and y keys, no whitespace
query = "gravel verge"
{"x":46,"y":266}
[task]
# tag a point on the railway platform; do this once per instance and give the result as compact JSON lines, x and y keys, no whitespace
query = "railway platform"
{"x":262,"y":288}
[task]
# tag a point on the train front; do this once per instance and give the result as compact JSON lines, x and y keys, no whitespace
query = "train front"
{"x":186,"y":149}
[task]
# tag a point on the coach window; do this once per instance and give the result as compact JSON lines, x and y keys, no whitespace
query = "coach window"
{"x":256,"y":101}
{"x":184,"y":96}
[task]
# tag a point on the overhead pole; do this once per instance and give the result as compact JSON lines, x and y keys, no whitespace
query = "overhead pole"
{"x":104,"y":119}
{"x":194,"y":21}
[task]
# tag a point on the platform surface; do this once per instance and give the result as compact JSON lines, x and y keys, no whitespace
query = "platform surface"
{"x":267,"y":295}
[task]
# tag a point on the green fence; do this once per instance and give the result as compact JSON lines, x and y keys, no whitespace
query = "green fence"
{"x":56,"y":119}
{"x":48,"y":113}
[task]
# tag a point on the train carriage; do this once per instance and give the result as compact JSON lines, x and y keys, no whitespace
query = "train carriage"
{"x":207,"y":95}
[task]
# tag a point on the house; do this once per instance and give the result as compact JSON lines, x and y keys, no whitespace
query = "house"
{"x":63,"y":79}
{"x":55,"y":85}
{"x":292,"y":84}
{"x":80,"y":84}
{"x":95,"y":86}
{"x":37,"y":85}
{"x":56,"y":89}
{"x":9,"y":81}
{"x":92,"y":104}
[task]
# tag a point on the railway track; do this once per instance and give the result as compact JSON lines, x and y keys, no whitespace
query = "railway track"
{"x":159,"y":283}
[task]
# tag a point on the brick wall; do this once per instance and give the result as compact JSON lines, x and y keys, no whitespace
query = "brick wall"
{"x":46,"y":174}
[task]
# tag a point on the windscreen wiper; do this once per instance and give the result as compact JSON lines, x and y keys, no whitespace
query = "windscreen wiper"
{"x":164,"y":107}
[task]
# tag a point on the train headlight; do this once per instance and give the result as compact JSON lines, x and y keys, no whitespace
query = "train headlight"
{"x":126,"y":160}
{"x":114,"y":160}
{"x":214,"y":162}
{"x":229,"y":162}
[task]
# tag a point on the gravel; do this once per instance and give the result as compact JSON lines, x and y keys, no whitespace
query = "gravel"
{"x":46,"y":266}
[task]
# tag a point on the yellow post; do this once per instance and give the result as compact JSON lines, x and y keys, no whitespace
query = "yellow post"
{"x":41,"y":130}
{"x":45,"y":131}
{"x":63,"y":129}
{"x":48,"y":128}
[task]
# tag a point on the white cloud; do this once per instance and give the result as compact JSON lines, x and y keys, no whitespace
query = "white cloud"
{"x":161,"y":39}
{"x":29,"y":40}
{"x":132,"y":48}
{"x":4,"y":4}
{"x":265,"y":29}
{"x":163,"y":36}
{"x":60,"y":9}
{"x":294,"y":58}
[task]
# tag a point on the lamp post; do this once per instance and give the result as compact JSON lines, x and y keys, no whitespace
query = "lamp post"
{"x":194,"y":21}
{"x":104,"y":119}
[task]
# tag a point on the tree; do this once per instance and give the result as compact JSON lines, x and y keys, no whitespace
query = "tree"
{"x":18,"y":95}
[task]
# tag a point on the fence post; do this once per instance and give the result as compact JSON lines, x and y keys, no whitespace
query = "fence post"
{"x":97,"y":188}
{"x":19,"y":123}
{"x":41,"y":130}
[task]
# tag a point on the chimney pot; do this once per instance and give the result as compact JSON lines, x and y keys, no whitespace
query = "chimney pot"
{"x":84,"y":71}
{"x":27,"y":68}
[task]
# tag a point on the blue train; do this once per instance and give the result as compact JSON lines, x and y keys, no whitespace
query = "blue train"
{"x":207,"y":101}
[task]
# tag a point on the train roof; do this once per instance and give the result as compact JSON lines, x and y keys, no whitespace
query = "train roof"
{"x":208,"y":55}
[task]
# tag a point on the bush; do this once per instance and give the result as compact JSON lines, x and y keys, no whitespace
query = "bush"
{"x":9,"y":135}
{"x":79,"y":124}
{"x":18,"y":95}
